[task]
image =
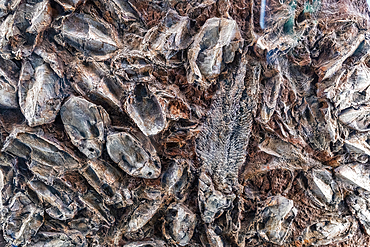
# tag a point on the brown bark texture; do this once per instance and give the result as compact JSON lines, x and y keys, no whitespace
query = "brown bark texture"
{"x":206,"y":123}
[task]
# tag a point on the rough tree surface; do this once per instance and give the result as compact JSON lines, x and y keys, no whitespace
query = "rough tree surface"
{"x":205,"y":123}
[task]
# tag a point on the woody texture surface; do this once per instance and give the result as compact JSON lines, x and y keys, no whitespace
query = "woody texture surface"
{"x":205,"y":123}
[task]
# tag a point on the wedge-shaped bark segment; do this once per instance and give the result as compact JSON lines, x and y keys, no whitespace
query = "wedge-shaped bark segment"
{"x":87,"y":33}
{"x":212,"y":203}
{"x":179,"y":224}
{"x":85,"y":222}
{"x":345,"y":43}
{"x":177,"y":179}
{"x":52,"y":55}
{"x":213,"y":46}
{"x":134,"y":66}
{"x":41,"y":18}
{"x":21,"y":30}
{"x":107,"y":181}
{"x":358,"y":145}
{"x":172,"y":35}
{"x":22,"y":220}
{"x":360,"y":207}
{"x":91,"y":81}
{"x":6,"y":33}
{"x":7,"y":188}
{"x":330,"y":231}
{"x":40,"y":92}
{"x":319,"y":124}
{"x":137,"y":157}
{"x":7,"y":179}
{"x":358,"y":119}
{"x":149,"y":200}
{"x":349,"y":87}
{"x":8,"y":95}
{"x":62,"y":205}
{"x":123,"y":15}
{"x":144,"y":108}
{"x":95,"y":203}
{"x":85,"y":124}
{"x":142,"y":214}
{"x":274,"y":218}
{"x":270,"y":97}
{"x":356,"y":175}
{"x":172,"y":176}
{"x":324,"y":190}
{"x":9,"y":76}
{"x":276,"y":147}
{"x":46,"y":159}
